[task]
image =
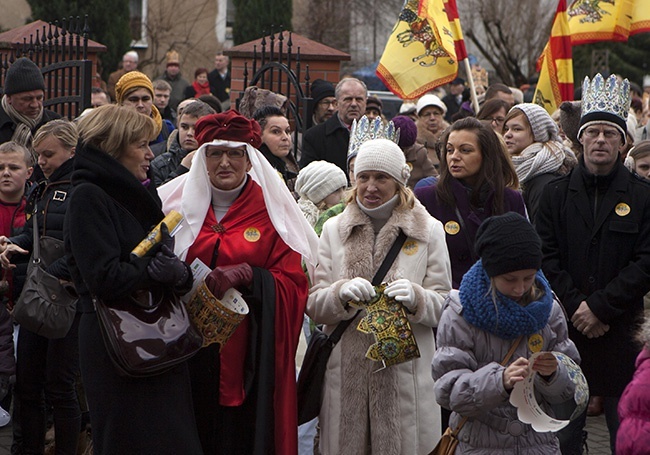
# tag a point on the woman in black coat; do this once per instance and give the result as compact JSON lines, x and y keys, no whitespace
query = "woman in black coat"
{"x":48,"y":368}
{"x":112,"y":207}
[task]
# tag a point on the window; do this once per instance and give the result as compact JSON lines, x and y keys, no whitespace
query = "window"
{"x":138,"y":23}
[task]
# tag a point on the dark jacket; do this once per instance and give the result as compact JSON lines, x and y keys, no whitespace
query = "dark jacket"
{"x":109,"y":213}
{"x":603,"y":260}
{"x":460,"y":231}
{"x":287,"y":168}
{"x":7,"y":126}
{"x":532,"y":192}
{"x":327,"y":141}
{"x":219,"y":87}
{"x":179,"y":84}
{"x":166,"y":163}
{"x":50,"y":197}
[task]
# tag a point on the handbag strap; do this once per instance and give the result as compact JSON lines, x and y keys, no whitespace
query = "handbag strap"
{"x":36,"y":247}
{"x":503,"y":363}
{"x":335,"y":336}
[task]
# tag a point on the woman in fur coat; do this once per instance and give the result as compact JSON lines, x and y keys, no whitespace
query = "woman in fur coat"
{"x":367,"y":409}
{"x":503,"y":297}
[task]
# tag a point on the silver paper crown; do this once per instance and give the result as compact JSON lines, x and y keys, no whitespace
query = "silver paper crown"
{"x":610,"y":96}
{"x":366,"y":130}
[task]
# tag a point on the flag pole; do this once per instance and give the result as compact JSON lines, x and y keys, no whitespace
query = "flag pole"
{"x":472,"y":87}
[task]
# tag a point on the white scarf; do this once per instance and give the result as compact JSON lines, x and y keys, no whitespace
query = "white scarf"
{"x":24,"y":125}
{"x":540,"y":158}
{"x":191,"y":195}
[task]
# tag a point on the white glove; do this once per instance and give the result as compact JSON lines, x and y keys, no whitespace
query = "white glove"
{"x":357,"y":289}
{"x":402,"y":291}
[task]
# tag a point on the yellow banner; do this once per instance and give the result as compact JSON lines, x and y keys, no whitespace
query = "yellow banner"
{"x":599,"y":20}
{"x":420,"y":53}
{"x":640,"y":17}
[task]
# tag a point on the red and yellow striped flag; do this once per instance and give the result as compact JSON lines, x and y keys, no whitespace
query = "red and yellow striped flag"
{"x":420,"y":54}
{"x":601,"y":20}
{"x":640,"y":22}
{"x":555,"y":65}
{"x":454,"y":22}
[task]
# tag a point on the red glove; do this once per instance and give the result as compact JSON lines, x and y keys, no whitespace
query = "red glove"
{"x":229,"y":276}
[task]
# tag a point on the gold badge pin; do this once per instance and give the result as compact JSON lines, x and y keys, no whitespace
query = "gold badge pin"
{"x":252,"y":234}
{"x":622,"y":209}
{"x":410,"y":247}
{"x":535,"y":342}
{"x":452,"y":227}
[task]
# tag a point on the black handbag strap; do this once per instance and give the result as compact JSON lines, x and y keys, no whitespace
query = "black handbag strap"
{"x":36,"y":247}
{"x":335,"y":336}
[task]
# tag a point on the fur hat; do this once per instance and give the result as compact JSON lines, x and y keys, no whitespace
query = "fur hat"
{"x":318,"y":180}
{"x":228,"y":126}
{"x":570,"y":119}
{"x":408,"y":130}
{"x":321,"y":89}
{"x":507,"y":243}
{"x":131,"y":81}
{"x":172,"y":58}
{"x":23,"y":76}
{"x":382,"y":155}
{"x":255,"y":98}
{"x":543,"y":127}
{"x":430,"y":100}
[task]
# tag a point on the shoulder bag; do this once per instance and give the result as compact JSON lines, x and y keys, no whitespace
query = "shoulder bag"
{"x":312,"y":372}
{"x":47,"y":305}
{"x":449,"y":439}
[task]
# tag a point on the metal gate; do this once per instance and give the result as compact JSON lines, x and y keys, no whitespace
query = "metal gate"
{"x":61,"y":52}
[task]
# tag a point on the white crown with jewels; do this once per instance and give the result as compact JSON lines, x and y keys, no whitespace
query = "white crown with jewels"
{"x":365,"y":130}
{"x":609,"y":96}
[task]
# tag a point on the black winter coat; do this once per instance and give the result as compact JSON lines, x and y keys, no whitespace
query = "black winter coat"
{"x":327,"y":141}
{"x":602,"y":259}
{"x":7,"y":126}
{"x":109,"y":213}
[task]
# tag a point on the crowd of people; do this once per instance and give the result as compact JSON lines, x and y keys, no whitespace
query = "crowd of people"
{"x":519,"y":233}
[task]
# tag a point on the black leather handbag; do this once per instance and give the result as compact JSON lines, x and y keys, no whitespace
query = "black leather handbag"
{"x":147,"y":333}
{"x":312,"y":371}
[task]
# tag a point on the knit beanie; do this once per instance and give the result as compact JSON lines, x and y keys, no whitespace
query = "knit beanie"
{"x":372,"y":102}
{"x":408,"y":130}
{"x":318,"y":180}
{"x":507,"y":243}
{"x":382,"y":155}
{"x":23,"y":76}
{"x":131,"y":81}
{"x":321,"y":89}
{"x":543,"y":127}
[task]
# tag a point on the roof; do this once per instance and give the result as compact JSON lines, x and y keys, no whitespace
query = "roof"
{"x":309,"y":49}
{"x":11,"y":38}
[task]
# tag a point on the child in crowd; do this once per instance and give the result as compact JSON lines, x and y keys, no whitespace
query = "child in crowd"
{"x":504,"y":299}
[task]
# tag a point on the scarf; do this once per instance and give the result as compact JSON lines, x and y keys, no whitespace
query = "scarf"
{"x":24,"y":125}
{"x":506,"y":318}
{"x":201,"y":89}
{"x":542,"y":158}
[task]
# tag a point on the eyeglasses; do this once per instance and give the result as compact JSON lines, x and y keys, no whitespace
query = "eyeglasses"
{"x":327,"y":103}
{"x":497,"y":120}
{"x":593,"y":133}
{"x":232,"y":153}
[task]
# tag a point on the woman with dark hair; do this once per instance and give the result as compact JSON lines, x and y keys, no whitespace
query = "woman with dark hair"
{"x":200,"y":86}
{"x":494,"y":112}
{"x":477,"y":181}
{"x":277,"y":144}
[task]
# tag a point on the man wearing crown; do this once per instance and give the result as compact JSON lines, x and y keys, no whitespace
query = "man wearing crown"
{"x":595,"y":228}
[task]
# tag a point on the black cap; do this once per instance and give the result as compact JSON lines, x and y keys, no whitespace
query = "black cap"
{"x":321,"y":89}
{"x":458,"y":81}
{"x":507,"y":243}
{"x":23,"y":76}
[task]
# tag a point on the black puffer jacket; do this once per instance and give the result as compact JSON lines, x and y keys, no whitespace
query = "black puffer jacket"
{"x":51,"y":200}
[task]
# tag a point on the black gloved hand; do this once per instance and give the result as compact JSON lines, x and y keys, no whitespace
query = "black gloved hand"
{"x":165,"y":267}
{"x":229,"y":276}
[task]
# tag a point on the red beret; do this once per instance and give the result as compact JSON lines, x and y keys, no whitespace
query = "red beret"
{"x":228,"y":126}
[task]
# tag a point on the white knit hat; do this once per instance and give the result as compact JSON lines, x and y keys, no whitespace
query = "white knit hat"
{"x":543,"y":126}
{"x":382,"y":155}
{"x":318,"y":180}
{"x":430,"y":100}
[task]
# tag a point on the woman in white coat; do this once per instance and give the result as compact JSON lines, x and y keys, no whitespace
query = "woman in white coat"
{"x":391,"y":411}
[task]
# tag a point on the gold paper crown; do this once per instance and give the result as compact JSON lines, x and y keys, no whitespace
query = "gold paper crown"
{"x":605,"y":100}
{"x":480,"y":76}
{"x":366,"y":130}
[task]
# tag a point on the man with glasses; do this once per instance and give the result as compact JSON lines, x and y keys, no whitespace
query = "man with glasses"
{"x":595,"y":228}
{"x":322,"y":93}
{"x":431,"y":123}
{"x":129,"y":63}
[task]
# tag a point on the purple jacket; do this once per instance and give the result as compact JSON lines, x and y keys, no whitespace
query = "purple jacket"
{"x":460,"y":233}
{"x":633,"y":437}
